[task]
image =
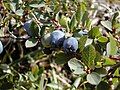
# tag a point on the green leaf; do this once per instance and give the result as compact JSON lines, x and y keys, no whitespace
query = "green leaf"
{"x":88,"y":23}
{"x":42,"y":31}
{"x":111,"y":47}
{"x":60,"y":58}
{"x":80,"y":11}
{"x":55,"y":86}
{"x":56,"y":7}
{"x":94,"y":78}
{"x":65,"y":7}
{"x":35,"y":5}
{"x":117,"y":27}
{"x":6,"y":69}
{"x":34,"y":69}
{"x":17,"y":1}
{"x":63,"y":21}
{"x":31,"y":76}
{"x":94,"y":32}
{"x":115,"y":81}
{"x":84,"y":18}
{"x":35,"y":29}
{"x":73,"y":23}
{"x":114,"y":19}
{"x":31,"y":42}
{"x":83,"y":7}
{"x":21,"y":78}
{"x":42,"y":82}
{"x":99,"y":64}
{"x":108,"y":61}
{"x":103,"y":85}
{"x":89,"y":42}
{"x":76,"y":66}
{"x":89,"y":55}
{"x":4,"y":66}
{"x":102,"y":39}
{"x":78,"y":14}
{"x":101,"y":71}
{"x":77,"y":82}
{"x":19,"y":12}
{"x":48,"y":9}
{"x":98,"y":57}
{"x":13,"y":6}
{"x":117,"y":72}
{"x":107,"y":24}
{"x":3,"y":76}
{"x":82,"y":42}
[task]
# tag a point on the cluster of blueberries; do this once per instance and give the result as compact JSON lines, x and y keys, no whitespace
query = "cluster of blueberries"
{"x":57,"y":39}
{"x":53,"y":40}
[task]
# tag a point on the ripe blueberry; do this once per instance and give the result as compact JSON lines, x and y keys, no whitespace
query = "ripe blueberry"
{"x":46,"y":40}
{"x":1,"y":47}
{"x":70,"y":45}
{"x":57,"y":38}
{"x":26,"y":26}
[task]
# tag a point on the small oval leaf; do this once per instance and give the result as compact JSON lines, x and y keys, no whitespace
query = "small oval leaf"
{"x":89,"y":55}
{"x":60,"y":58}
{"x":82,"y":42}
{"x":102,"y":39}
{"x":31,"y":42}
{"x":101,"y":71}
{"x":94,"y":32}
{"x":19,"y":12}
{"x":76,"y":66}
{"x":107,"y":24}
{"x":93,"y":78}
{"x":103,"y":85}
{"x":111,"y":47}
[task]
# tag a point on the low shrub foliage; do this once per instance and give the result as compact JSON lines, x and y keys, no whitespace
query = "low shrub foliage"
{"x":59,"y":45}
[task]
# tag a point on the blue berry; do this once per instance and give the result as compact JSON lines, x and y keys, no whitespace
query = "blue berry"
{"x":70,"y":45}
{"x":1,"y":47}
{"x":57,"y":38}
{"x":26,"y":26}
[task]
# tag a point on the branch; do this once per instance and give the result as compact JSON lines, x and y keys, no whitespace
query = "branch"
{"x":116,"y":77}
{"x":62,"y":80}
{"x":113,"y":68}
{"x":21,"y":38}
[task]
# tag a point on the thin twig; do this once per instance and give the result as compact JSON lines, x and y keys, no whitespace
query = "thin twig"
{"x":116,"y":77}
{"x":65,"y":82}
{"x":113,"y":68}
